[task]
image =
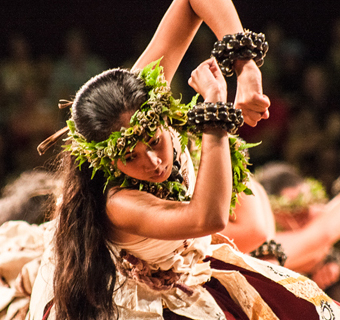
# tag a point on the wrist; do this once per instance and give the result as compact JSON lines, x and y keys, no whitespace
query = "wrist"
{"x":214,"y":114}
{"x":215,"y":98}
{"x":244,"y":46}
{"x":216,"y":95}
{"x":241,"y":66}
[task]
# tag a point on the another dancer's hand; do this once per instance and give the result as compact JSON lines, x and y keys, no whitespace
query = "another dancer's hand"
{"x":327,"y":275}
{"x":249,"y":94}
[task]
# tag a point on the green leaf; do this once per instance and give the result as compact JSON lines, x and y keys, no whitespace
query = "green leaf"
{"x":125,"y":183}
{"x":249,"y":145}
{"x":94,"y":170}
{"x":248,"y":192}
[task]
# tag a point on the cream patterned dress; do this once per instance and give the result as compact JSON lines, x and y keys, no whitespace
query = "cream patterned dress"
{"x":156,"y":274}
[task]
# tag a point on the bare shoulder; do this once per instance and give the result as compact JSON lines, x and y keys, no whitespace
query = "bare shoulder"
{"x":141,"y":214}
{"x":125,"y":205}
{"x":123,"y":197}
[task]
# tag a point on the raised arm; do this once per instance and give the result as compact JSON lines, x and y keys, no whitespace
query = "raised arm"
{"x":172,"y":38}
{"x":308,"y":246}
{"x":179,"y":26}
{"x":175,"y":33}
{"x":222,"y":18}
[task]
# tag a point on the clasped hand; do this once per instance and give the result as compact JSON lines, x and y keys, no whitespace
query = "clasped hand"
{"x":209,"y":82}
{"x":249,"y":94}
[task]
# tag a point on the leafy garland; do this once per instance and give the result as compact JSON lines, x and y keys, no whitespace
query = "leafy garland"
{"x":239,"y":163}
{"x":316,"y":194}
{"x":160,"y":110}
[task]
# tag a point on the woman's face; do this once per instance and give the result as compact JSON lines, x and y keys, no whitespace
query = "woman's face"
{"x":152,"y":161}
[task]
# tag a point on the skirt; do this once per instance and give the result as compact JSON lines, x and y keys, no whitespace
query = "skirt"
{"x":284,"y":304}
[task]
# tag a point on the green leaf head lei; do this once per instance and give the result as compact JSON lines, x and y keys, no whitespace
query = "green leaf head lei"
{"x":313,"y":193}
{"x":160,"y":110}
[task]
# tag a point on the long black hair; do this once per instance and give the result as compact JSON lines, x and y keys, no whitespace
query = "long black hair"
{"x":84,"y":280}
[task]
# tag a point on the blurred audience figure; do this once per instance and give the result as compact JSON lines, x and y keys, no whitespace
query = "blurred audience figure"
{"x":314,"y":128}
{"x":29,"y":124}
{"x":23,"y":114}
{"x":29,"y":197}
{"x":74,"y":68}
{"x":333,"y":59}
{"x":272,"y":68}
{"x":308,"y":225}
{"x":17,"y":69}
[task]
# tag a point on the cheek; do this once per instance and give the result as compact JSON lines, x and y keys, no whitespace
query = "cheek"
{"x":124,"y":168}
{"x":170,"y":155}
{"x":168,"y":152}
{"x":120,"y":164}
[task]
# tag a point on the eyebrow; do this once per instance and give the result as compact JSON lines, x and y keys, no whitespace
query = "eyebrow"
{"x":147,"y":138}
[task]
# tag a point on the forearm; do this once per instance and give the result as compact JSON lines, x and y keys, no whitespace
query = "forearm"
{"x":220,"y":15}
{"x":312,"y":242}
{"x":304,"y":248}
{"x":240,"y":234}
{"x":179,"y":26}
{"x":222,"y":18}
{"x":172,"y":38}
{"x":213,"y":187}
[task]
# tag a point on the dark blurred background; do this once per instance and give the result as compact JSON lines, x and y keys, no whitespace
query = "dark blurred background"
{"x":49,"y":48}
{"x":117,"y":29}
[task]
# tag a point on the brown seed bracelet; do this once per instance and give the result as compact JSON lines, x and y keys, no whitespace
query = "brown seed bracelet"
{"x":219,"y":114}
{"x":239,"y":46}
{"x":270,"y":249}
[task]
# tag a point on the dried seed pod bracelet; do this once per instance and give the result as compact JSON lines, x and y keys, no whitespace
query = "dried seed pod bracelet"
{"x":240,"y":46}
{"x":270,"y":249}
{"x":219,"y":114}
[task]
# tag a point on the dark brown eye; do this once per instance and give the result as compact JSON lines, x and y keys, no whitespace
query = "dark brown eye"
{"x":130,"y":158}
{"x":155,"y":142}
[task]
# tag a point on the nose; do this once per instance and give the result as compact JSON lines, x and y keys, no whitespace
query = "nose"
{"x":152,"y":161}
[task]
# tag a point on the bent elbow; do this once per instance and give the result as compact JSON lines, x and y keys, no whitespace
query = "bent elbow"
{"x":209,"y":220}
{"x":216,"y":224}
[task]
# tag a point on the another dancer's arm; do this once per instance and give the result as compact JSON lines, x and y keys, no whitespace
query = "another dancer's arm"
{"x":253,"y":216}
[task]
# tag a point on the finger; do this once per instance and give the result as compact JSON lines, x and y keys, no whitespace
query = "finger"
{"x":260,"y":102}
{"x":334,"y":271}
{"x":192,"y":84}
{"x":206,"y":63}
{"x":201,"y":77}
{"x":251,"y":117}
{"x":204,"y":75}
{"x":266,"y":100}
{"x":265,"y":115}
{"x":215,"y":69}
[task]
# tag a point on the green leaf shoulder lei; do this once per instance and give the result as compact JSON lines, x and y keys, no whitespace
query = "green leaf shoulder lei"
{"x":239,"y":163}
{"x":160,"y":110}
